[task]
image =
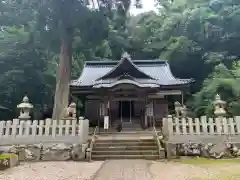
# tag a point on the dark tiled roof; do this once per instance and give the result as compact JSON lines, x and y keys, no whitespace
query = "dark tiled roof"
{"x":157,"y":69}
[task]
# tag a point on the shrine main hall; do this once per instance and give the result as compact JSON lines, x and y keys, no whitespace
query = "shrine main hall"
{"x":127,"y":91}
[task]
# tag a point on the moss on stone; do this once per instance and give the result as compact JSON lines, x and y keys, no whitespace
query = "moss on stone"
{"x":6,"y":156}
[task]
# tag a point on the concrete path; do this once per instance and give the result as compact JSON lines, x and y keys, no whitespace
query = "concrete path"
{"x":124,"y":170}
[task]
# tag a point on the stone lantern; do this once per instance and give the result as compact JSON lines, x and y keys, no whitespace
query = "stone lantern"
{"x":25,"y":108}
{"x":219,"y":106}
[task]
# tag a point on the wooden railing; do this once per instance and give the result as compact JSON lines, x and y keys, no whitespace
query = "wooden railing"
{"x":156,"y":137}
{"x":89,"y":150}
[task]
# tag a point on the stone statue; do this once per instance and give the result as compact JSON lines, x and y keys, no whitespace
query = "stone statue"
{"x":70,"y":111}
{"x":181,"y":111}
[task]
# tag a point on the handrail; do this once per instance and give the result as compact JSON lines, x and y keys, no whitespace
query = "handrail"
{"x":157,"y":140}
{"x":89,"y":151}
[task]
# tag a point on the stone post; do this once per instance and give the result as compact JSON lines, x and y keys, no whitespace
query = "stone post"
{"x":167,"y":132}
{"x":80,"y":128}
{"x":25,"y":108}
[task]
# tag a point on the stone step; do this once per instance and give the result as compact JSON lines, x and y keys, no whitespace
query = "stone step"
{"x":127,"y":140}
{"x":122,"y":148}
{"x":126,"y":152}
{"x":126,"y":132}
{"x":125,"y":147}
{"x":105,"y":157}
{"x":115,"y":144}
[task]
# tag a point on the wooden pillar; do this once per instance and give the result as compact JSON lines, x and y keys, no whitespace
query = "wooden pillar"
{"x":146,"y":106}
{"x":130,"y":109}
{"x":153,"y":112}
{"x":109,"y":109}
{"x":182,"y":100}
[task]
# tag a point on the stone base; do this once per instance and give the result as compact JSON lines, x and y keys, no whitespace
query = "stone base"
{"x":209,"y":150}
{"x":47,"y":152}
{"x":8,"y":161}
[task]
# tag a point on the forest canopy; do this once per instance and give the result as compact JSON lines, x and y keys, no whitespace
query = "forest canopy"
{"x":199,"y":39}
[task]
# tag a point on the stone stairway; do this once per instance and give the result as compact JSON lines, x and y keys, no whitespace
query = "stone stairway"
{"x":126,"y":149}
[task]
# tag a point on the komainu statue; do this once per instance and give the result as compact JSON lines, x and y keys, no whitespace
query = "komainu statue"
{"x":70,"y":112}
{"x":180,"y":110}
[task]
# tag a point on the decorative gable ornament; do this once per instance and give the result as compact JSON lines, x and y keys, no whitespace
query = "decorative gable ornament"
{"x":125,"y":55}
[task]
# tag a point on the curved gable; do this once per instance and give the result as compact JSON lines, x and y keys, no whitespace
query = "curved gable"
{"x":125,"y":66}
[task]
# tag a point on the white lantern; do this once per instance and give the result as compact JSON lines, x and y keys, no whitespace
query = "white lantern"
{"x":25,"y":108}
{"x":219,"y":106}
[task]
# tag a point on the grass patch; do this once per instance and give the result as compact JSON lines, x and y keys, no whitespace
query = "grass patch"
{"x":205,"y":161}
{"x":231,"y":177}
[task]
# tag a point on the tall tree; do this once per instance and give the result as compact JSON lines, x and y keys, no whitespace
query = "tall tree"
{"x":60,"y":16}
{"x":57,"y":19}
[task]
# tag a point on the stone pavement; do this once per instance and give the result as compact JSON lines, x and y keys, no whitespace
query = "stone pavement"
{"x":124,"y":170}
{"x":152,"y":170}
{"x":121,"y":170}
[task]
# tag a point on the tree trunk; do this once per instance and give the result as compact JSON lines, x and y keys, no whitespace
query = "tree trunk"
{"x":61,"y":98}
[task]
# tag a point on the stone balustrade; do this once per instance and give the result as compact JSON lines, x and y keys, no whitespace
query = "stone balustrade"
{"x":48,"y":131}
{"x":201,"y":129}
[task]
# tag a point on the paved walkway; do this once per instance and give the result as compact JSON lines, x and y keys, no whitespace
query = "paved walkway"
{"x":124,"y":170}
{"x":152,"y":170}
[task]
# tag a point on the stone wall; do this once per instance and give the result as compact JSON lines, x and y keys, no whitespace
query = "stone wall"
{"x":47,"y":152}
{"x":208,"y":150}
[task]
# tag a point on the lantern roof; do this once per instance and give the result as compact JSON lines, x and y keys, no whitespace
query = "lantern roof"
{"x":218,"y":100}
{"x":25,"y":103}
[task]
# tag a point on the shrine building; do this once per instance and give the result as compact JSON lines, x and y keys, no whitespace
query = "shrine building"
{"x":127,"y":91}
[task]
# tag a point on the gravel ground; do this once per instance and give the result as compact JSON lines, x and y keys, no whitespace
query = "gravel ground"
{"x":51,"y":171}
{"x":120,"y":170}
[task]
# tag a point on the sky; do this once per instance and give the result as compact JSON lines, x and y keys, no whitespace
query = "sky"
{"x":148,"y":5}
